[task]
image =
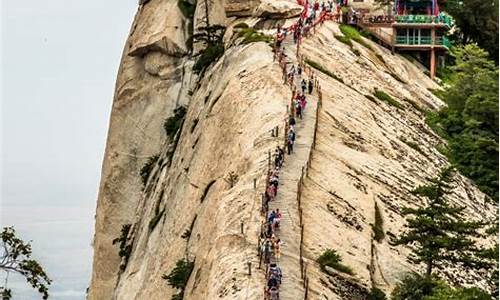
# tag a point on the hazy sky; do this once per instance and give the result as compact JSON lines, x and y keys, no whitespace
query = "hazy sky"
{"x":59,"y":64}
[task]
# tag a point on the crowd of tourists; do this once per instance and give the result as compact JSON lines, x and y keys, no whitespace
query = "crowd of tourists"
{"x":302,"y":86}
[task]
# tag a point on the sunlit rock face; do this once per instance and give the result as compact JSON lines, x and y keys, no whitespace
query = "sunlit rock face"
{"x":364,"y":156}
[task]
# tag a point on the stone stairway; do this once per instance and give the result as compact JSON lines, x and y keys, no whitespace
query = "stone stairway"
{"x":286,"y":200}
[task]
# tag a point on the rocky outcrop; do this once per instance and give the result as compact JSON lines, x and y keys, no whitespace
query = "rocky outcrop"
{"x":277,"y":9}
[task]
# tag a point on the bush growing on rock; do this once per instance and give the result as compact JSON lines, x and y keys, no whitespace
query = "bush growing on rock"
{"x":376,"y":294}
{"x":173,"y":123}
{"x":147,"y":168}
{"x":179,"y":277}
{"x":333,"y":260}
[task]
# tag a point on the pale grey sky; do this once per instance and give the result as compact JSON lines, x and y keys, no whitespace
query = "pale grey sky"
{"x":59,"y":60}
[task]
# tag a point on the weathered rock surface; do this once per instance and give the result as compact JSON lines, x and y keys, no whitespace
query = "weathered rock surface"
{"x":277,"y":9}
{"x":363,"y":157}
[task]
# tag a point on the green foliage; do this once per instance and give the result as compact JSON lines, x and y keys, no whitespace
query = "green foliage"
{"x":187,"y":9}
{"x":250,"y":35}
{"x":147,"y":168}
{"x":378,"y":227}
{"x":414,"y":287}
{"x":15,"y":257}
{"x":352,"y":33}
{"x":344,"y":39}
{"x":376,"y":294}
{"x":125,"y":247}
{"x":241,"y":25}
{"x":320,"y":68}
{"x":208,"y":56}
{"x":211,"y":36}
{"x":332,"y":259}
{"x":470,"y":122}
{"x":381,"y":95}
{"x":438,"y":232}
{"x":179,"y":277}
{"x":477,"y":21}
{"x":444,"y":292}
{"x":172,"y":124}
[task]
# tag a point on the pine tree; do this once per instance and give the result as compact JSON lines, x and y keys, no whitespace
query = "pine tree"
{"x":438,"y":232}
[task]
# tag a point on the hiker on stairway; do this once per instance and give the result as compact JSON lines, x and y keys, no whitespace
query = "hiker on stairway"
{"x":274,"y":270}
{"x":267,"y":252}
{"x":298,"y":109}
{"x":273,"y":294}
{"x":290,"y":141}
{"x":277,"y":249}
{"x":311,"y":85}
{"x":303,"y":85}
{"x":291,"y":122}
{"x":303,"y":101}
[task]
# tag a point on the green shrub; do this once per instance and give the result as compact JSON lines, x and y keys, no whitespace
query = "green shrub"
{"x":125,"y":248}
{"x":414,"y":287}
{"x":352,"y":33}
{"x":344,"y":39}
{"x":172,"y":124}
{"x":332,"y":259}
{"x":378,"y":227}
{"x":187,"y":9}
{"x":179,"y":277}
{"x":250,"y":35}
{"x":241,"y":25}
{"x":449,"y":293}
{"x":365,"y":33}
{"x":322,"y":69}
{"x":147,"y":168}
{"x":208,"y":56}
{"x":376,"y":294}
{"x":212,"y":37}
{"x":381,"y":95}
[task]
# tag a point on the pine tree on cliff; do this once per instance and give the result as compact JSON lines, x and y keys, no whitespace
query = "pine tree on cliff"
{"x":438,"y":232}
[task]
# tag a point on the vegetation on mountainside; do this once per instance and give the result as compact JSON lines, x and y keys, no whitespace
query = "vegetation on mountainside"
{"x":470,"y":121}
{"x":477,"y":21}
{"x":211,"y":36}
{"x":416,"y":287}
{"x":147,"y":168}
{"x":125,"y":247}
{"x":179,"y":277}
{"x":15,"y":257}
{"x":323,"y":70}
{"x":250,"y":35}
{"x":351,"y":33}
{"x":173,"y":123}
{"x":333,"y":260}
{"x":381,"y":95}
{"x":376,"y":294}
{"x":438,"y":232}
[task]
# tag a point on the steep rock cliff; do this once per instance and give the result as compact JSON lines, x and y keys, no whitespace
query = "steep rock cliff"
{"x":363,"y":157}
